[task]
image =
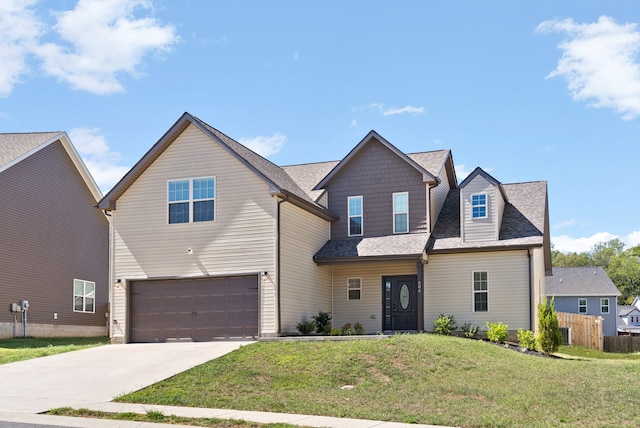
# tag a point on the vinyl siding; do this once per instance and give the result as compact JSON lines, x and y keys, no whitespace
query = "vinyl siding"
{"x":51,"y":234}
{"x":479,"y":229}
{"x":438,"y":196}
{"x":449,"y":288}
{"x":241,"y":240}
{"x":371,"y":273}
{"x":305,"y":288}
{"x":376,"y":173}
{"x":609,"y":321}
{"x":538,"y":284}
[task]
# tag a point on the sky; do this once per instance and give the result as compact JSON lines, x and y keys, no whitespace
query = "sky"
{"x":528,"y":91}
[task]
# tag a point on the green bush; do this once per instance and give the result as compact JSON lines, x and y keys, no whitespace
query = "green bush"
{"x":335,"y":331}
{"x":358,"y":328}
{"x":347,"y":330}
{"x":497,"y":332}
{"x":469,"y":330}
{"x":445,"y":324}
{"x":526,"y":339}
{"x":549,"y":336}
{"x":306,"y":326}
{"x":323,"y":322}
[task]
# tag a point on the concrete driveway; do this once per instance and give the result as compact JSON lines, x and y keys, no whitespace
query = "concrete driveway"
{"x":97,"y":375}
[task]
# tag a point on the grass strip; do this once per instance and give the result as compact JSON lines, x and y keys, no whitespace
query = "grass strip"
{"x":25,"y":348}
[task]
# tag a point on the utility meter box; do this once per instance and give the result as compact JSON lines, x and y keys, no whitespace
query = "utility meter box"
{"x":15,"y":307}
{"x":25,"y":305}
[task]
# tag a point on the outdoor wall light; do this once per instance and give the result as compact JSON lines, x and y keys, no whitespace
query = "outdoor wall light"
{"x":190,"y":251}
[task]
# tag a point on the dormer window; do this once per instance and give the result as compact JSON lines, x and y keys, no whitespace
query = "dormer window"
{"x":479,"y":205}
{"x":354,"y":206}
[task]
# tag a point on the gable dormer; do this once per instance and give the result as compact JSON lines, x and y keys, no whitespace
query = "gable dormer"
{"x":482,"y":202}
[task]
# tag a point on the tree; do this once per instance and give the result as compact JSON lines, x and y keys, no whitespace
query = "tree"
{"x":624,"y":271}
{"x":549,"y":338}
{"x":602,"y":253}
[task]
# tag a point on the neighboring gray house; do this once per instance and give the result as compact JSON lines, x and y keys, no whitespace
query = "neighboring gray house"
{"x":210,"y":240}
{"x":629,"y":319}
{"x":53,"y":242}
{"x":586,"y":291}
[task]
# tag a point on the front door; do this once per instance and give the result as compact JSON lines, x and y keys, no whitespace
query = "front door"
{"x":400,"y":302}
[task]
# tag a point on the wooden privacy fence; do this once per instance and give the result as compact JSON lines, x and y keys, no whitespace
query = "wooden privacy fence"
{"x":621,"y":344}
{"x":586,"y":330}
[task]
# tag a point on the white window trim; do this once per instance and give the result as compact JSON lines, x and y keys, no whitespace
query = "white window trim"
{"x":191,"y":200}
{"x":393,"y":202}
{"x":84,"y":296}
{"x":586,"y":307}
{"x":485,"y":205}
{"x":349,"y":288}
{"x":349,"y":216}
{"x":473,"y":291}
{"x":603,"y":299}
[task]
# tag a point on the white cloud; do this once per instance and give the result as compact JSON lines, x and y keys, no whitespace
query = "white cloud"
{"x":564,"y":224}
{"x":265,"y":146}
{"x":388,"y":111}
{"x":98,"y":156}
{"x":567,"y":244}
{"x":599,"y":63}
{"x":405,"y":109}
{"x":103,"y":40}
{"x":19,"y":32}
{"x":461,"y":172}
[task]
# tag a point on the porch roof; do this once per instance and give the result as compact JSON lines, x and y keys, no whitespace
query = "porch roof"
{"x":393,"y":247}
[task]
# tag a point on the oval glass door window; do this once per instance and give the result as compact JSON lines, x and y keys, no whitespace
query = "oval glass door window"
{"x":404,"y":296}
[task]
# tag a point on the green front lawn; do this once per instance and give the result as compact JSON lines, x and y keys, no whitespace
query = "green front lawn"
{"x":12,"y":350}
{"x":411,"y":378}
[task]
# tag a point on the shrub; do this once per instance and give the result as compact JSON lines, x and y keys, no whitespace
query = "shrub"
{"x":445,"y":324}
{"x":526,"y":339}
{"x":358,"y":328}
{"x":347,"y":330}
{"x":335,"y":331}
{"x":323,"y":322}
{"x":469,"y":330}
{"x":497,"y":331}
{"x":549,"y":336}
{"x":306,"y":326}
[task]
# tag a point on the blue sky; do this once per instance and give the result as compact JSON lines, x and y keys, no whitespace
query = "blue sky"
{"x":529,"y":91}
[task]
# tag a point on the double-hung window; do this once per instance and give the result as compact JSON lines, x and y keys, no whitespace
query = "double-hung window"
{"x":479,"y":205}
{"x":582,"y":305}
{"x":480,"y":292}
{"x":354,"y":289}
{"x":84,"y":296}
{"x":604,"y":305}
{"x":400,"y":212}
{"x":191,"y":200}
{"x":354,"y":207}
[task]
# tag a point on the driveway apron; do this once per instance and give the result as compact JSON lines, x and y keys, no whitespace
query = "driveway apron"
{"x":98,"y":375}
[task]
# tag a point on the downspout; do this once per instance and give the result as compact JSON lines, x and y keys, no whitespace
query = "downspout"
{"x":531,"y":317}
{"x":282,"y":198}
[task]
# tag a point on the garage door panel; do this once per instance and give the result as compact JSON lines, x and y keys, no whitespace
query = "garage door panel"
{"x":196,"y":309}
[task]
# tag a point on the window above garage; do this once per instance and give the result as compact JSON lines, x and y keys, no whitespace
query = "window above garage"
{"x":191,"y":200}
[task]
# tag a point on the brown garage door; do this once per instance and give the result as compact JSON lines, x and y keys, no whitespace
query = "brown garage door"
{"x":197,"y":309}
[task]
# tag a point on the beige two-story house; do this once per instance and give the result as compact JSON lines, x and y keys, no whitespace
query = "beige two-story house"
{"x":210,"y":240}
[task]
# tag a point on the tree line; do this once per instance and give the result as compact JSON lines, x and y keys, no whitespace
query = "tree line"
{"x":622,"y":266}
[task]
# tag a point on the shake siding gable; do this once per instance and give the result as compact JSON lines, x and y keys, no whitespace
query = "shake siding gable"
{"x":367,"y":310}
{"x":51,"y":234}
{"x":480,"y":229}
{"x":239,"y":241}
{"x":305,"y":287}
{"x":449,"y":288}
{"x":376,"y":173}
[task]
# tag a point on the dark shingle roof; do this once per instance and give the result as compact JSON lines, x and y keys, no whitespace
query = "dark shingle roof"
{"x":388,"y":247}
{"x":13,"y":146}
{"x":309,"y":174}
{"x":523,"y":221}
{"x":580,"y":281}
